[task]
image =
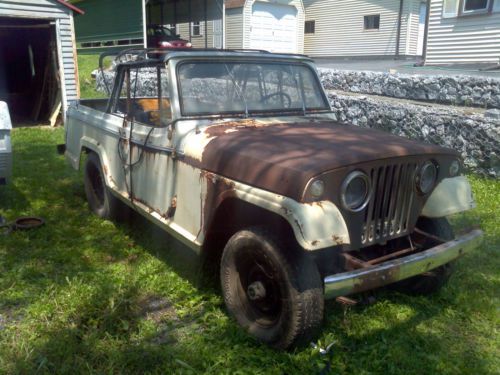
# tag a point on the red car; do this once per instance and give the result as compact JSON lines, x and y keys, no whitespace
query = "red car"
{"x":160,"y":36}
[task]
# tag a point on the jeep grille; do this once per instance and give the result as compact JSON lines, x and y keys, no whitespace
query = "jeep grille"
{"x":393,"y":195}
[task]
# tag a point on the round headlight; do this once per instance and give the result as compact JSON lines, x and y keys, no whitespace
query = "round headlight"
{"x":355,"y":191}
{"x":317,"y":188}
{"x":426,"y":178}
{"x":454,"y":168}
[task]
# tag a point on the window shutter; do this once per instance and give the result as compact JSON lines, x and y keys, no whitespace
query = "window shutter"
{"x":450,"y":8}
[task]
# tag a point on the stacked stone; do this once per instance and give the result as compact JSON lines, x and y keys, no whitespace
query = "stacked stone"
{"x":477,"y":138}
{"x":146,"y":82}
{"x":457,"y":90}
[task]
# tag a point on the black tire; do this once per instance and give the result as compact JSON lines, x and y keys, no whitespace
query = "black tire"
{"x":291,"y":309}
{"x":99,"y":198}
{"x":431,"y":281}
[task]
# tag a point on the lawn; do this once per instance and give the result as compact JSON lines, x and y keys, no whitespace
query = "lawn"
{"x":84,"y":295}
{"x":86,"y":65}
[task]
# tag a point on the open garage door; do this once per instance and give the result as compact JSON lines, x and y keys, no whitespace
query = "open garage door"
{"x":274,"y":27}
{"x":29,"y":72}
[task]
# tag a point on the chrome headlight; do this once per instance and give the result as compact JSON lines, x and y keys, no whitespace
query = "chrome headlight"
{"x":426,"y":177}
{"x":355,"y":191}
{"x":454,"y":168}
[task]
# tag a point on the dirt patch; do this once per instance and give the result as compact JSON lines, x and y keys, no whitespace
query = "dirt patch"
{"x":157,"y":309}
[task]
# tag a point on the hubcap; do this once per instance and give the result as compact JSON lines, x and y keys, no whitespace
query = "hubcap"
{"x":256,"y":291}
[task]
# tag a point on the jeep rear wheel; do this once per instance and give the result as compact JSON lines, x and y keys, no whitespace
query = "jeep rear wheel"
{"x":276,"y":296}
{"x":430,"y":281}
{"x":99,"y":198}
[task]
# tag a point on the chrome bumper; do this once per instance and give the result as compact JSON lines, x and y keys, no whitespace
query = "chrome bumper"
{"x":359,"y":280}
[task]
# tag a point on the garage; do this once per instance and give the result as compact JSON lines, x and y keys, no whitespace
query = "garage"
{"x":276,"y":26}
{"x":37,"y":60}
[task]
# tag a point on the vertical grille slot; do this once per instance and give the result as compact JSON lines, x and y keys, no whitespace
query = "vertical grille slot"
{"x":391,"y":202}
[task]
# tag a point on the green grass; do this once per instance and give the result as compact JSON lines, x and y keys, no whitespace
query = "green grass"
{"x":84,"y":295}
{"x":87,"y":64}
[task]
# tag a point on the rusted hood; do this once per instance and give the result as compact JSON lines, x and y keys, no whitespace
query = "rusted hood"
{"x":283,"y":157}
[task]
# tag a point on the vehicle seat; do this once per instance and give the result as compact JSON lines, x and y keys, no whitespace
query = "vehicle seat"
{"x":146,"y":111}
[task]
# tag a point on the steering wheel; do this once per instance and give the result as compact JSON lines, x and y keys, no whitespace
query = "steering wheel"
{"x":287,"y":103}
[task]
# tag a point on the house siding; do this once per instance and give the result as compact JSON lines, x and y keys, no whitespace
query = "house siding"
{"x":462,"y":40}
{"x":52,"y":10}
{"x":199,"y":40}
{"x":234,"y":28}
{"x":339,"y":28}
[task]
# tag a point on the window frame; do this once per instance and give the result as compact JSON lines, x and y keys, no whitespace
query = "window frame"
{"x":196,"y":24}
{"x":365,"y":19}
{"x":461,"y":12}
{"x":465,"y":13}
{"x":312,"y":27}
{"x":124,"y":76}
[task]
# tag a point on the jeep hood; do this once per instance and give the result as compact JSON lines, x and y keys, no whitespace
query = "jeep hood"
{"x":283,"y":157}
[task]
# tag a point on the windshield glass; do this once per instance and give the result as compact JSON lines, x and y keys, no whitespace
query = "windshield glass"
{"x":209,"y":88}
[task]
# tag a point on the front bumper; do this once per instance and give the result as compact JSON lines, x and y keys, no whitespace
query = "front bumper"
{"x":359,"y":280}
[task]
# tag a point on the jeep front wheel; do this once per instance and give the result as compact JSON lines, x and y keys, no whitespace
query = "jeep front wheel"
{"x":275,"y":293}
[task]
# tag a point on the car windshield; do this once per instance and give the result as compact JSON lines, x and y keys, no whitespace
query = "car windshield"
{"x":160,"y":31}
{"x":209,"y":88}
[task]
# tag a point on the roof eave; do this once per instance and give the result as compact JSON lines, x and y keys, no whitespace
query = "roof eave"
{"x":71,"y":6}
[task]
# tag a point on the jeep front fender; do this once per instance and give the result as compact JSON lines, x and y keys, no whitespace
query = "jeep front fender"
{"x":316,"y":225}
{"x":451,"y":196}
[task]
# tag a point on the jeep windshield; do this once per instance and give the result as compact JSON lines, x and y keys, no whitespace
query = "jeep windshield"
{"x":219,"y":88}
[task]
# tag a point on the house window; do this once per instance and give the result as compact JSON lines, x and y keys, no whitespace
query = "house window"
{"x":458,"y":8}
{"x":195,"y":28}
{"x":372,"y":22}
{"x":475,"y":6}
{"x":309,"y":27}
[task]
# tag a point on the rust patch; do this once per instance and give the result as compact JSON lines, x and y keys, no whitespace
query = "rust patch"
{"x":218,"y":189}
{"x":300,"y":228}
{"x":337,"y":239}
{"x":173,"y":206}
{"x":283,"y":157}
{"x":232,"y":126}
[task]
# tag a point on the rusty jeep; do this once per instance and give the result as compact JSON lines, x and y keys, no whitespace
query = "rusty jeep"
{"x":237,"y":154}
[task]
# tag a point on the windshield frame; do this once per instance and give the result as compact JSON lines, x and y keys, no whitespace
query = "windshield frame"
{"x":252,"y":113}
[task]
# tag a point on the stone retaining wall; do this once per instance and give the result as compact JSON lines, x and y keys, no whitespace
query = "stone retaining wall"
{"x":458,"y":90}
{"x":475,"y":137}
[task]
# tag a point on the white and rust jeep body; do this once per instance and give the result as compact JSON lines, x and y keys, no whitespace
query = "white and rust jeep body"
{"x":237,"y":154}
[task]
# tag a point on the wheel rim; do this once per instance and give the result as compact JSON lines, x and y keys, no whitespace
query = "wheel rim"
{"x":260,"y":288}
{"x":97,"y":185}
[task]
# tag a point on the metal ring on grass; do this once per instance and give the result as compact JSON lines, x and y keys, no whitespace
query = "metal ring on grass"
{"x":28,"y":222}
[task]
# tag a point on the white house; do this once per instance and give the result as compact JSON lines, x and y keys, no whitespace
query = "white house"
{"x":463,"y":32}
{"x":353,"y":28}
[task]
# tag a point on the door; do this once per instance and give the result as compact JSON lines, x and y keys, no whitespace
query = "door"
{"x":217,"y":33}
{"x":421,"y":29}
{"x":144,"y":149}
{"x":274,"y":27}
